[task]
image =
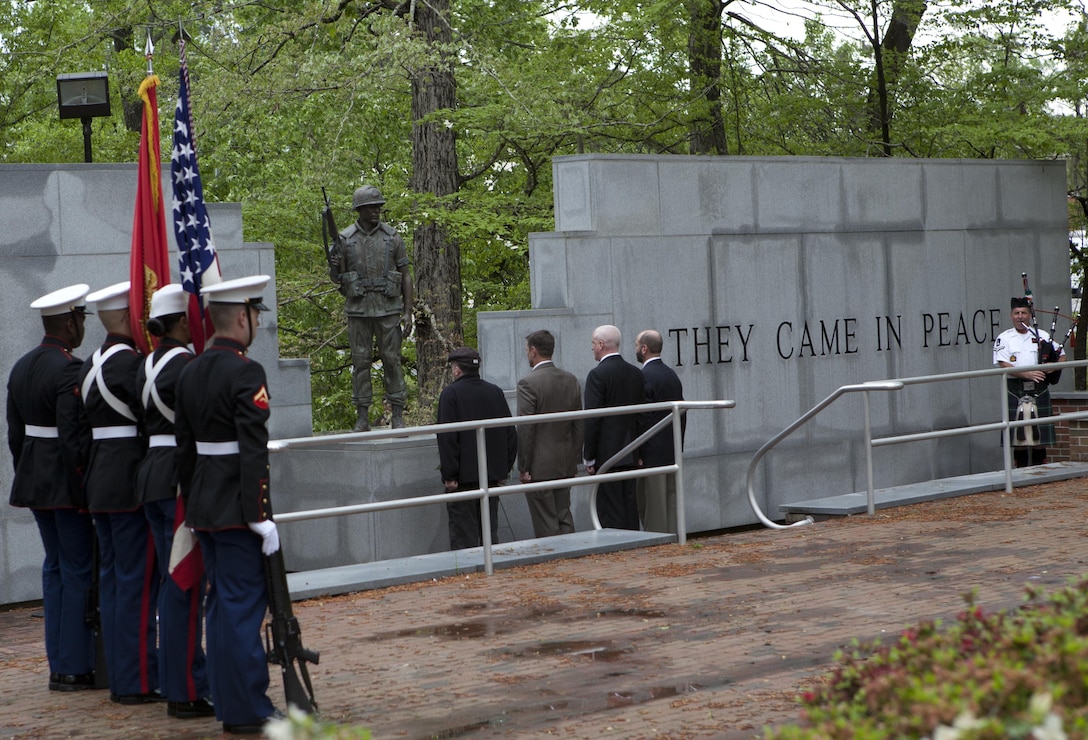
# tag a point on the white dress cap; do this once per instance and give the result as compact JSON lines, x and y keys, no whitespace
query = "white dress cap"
{"x":169,"y":299}
{"x":113,"y":298}
{"x":239,"y":290}
{"x":65,"y":300}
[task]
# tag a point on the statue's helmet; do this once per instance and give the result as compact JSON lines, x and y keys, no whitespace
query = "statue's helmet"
{"x":367,"y":195}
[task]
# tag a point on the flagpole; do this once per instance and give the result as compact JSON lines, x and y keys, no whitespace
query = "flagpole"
{"x":149,"y":52}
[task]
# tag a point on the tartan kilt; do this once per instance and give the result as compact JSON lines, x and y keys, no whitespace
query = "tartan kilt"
{"x":1042,"y":403}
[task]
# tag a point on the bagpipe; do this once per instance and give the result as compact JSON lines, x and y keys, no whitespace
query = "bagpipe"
{"x":1049,"y":351}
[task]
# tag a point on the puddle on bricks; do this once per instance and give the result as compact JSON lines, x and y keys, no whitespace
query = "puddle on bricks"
{"x":509,"y":622}
{"x":523,"y":717}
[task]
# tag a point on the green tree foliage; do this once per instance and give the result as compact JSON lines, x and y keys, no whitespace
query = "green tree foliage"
{"x":289,"y":97}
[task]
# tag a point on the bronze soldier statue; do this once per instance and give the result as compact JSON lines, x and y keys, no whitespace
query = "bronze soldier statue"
{"x":369,"y":265}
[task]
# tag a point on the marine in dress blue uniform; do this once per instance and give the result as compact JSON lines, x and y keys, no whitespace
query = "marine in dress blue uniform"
{"x":128,"y":577}
{"x":222,"y":457}
{"x":183,"y":678}
{"x":44,"y":417}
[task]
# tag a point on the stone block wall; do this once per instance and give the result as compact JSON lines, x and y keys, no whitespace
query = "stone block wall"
{"x":774,"y":281}
{"x":65,"y":224}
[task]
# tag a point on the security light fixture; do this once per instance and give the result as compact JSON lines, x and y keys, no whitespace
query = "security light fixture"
{"x":84,"y":95}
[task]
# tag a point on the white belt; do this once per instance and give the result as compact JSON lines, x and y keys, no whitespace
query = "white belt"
{"x":217,"y":448}
{"x":162,"y":440}
{"x":119,"y":432}
{"x":33,"y":430}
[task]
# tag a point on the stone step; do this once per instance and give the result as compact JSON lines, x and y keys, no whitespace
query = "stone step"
{"x":915,"y":493}
{"x":365,"y":576}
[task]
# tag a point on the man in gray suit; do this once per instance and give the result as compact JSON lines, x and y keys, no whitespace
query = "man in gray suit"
{"x":548,"y":451}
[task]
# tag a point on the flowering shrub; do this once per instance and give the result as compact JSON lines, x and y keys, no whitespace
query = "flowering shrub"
{"x":1016,"y":674}
{"x":300,"y":726}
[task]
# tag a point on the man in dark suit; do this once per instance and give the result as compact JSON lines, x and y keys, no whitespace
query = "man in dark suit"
{"x":468,"y":398}
{"x":548,"y":451}
{"x":614,"y":382}
{"x":656,"y":495}
{"x":47,"y":446}
{"x":128,"y":580}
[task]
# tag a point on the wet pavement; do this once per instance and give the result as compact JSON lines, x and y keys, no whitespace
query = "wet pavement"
{"x":712,"y":639}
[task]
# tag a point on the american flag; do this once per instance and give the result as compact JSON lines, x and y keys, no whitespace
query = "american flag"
{"x":197,"y":262}
{"x":197,"y":265}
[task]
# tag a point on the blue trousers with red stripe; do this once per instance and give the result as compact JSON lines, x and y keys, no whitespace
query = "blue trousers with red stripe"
{"x":182,"y":672}
{"x":236,"y":606}
{"x":67,"y":572}
{"x":128,"y":588}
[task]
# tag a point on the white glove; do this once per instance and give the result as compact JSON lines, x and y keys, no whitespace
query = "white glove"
{"x":270,"y":538}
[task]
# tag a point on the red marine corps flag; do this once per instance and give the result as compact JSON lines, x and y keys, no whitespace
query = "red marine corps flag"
{"x":149,"y":263}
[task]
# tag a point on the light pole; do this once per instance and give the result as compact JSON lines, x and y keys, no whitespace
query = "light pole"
{"x":84,"y":95}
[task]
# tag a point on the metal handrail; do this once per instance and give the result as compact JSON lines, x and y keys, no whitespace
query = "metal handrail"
{"x":1005,"y":425}
{"x":674,"y":408}
{"x":858,"y":388}
{"x":675,"y":420}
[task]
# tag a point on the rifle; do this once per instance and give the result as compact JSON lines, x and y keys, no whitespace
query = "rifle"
{"x":283,"y":639}
{"x":92,"y":617}
{"x":328,"y":228}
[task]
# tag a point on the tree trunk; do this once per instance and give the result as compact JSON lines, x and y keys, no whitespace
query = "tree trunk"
{"x":132,"y":106}
{"x":888,"y":57}
{"x":705,"y":70}
{"x":435,"y":178}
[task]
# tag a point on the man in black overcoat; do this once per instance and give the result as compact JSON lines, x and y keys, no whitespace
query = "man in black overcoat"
{"x":469,"y":398}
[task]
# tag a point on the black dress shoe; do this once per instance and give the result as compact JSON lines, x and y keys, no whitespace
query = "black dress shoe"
{"x":190,"y":709}
{"x":249,"y":728}
{"x":252,"y":728}
{"x":70,"y":681}
{"x":130,"y":699}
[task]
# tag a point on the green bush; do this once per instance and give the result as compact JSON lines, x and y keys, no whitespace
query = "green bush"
{"x":1011,"y":674}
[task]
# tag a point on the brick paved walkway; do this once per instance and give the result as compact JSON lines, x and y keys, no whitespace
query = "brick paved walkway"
{"x":713,"y":639}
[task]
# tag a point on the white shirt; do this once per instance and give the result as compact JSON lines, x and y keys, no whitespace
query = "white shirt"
{"x":1018,"y":349}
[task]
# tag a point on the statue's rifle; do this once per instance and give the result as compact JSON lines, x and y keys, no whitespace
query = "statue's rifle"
{"x":329,"y":231}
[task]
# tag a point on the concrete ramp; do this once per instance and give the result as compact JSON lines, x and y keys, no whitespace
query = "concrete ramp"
{"x":366,"y":576}
{"x":934,"y":490}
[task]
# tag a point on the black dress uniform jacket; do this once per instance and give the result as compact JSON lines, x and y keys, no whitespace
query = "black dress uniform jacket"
{"x":222,"y":396}
{"x":157,"y":478}
{"x":111,"y":468}
{"x":43,"y":391}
